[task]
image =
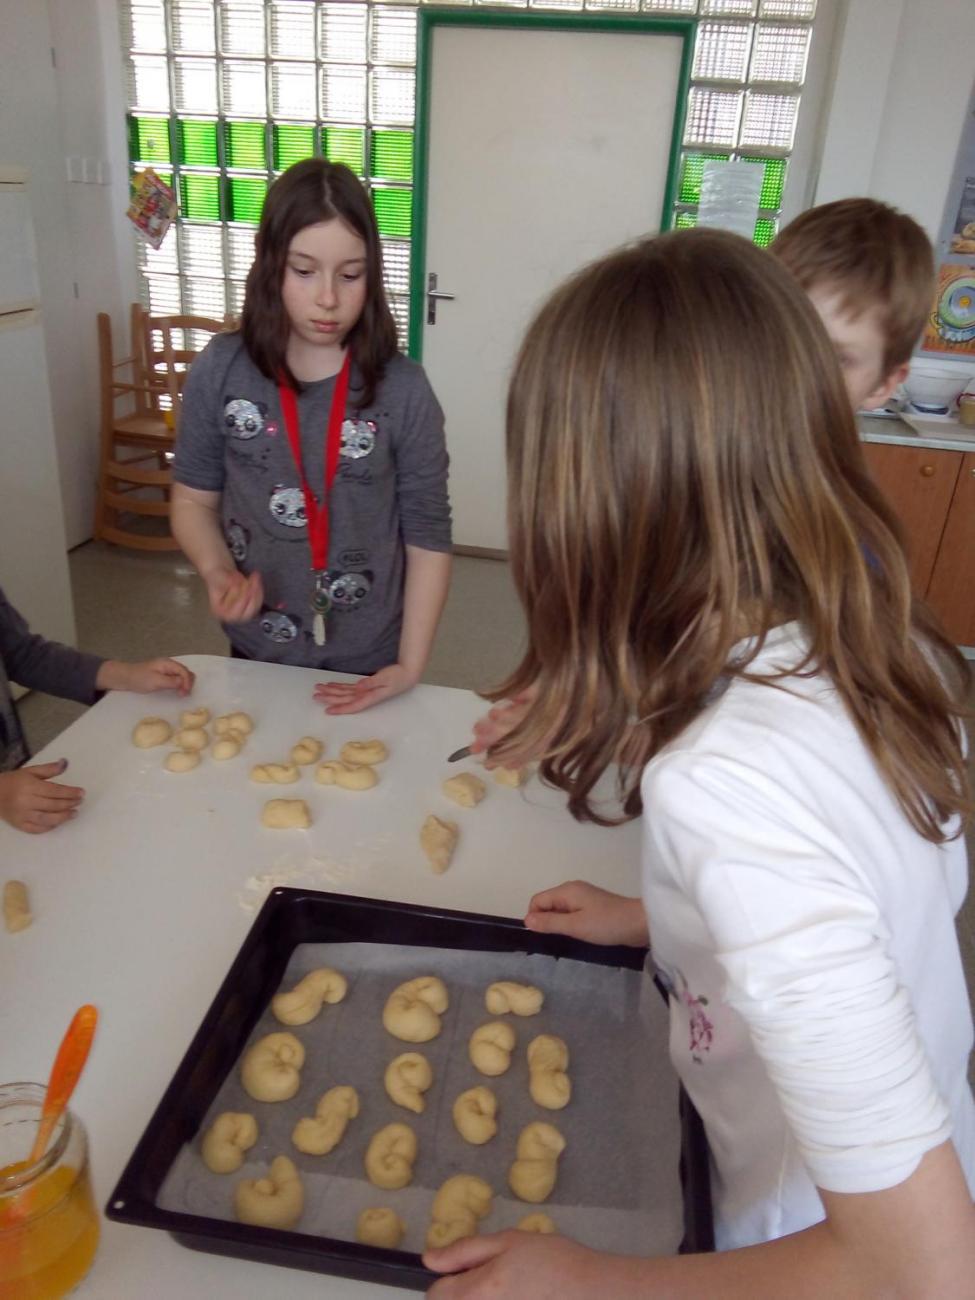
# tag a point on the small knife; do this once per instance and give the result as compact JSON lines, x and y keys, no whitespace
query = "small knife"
{"x":459,"y":754}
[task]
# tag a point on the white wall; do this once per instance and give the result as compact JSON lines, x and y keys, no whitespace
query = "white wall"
{"x":72,"y":105}
{"x":902,"y":84}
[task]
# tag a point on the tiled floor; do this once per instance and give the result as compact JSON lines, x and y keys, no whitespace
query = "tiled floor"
{"x":134,"y":605}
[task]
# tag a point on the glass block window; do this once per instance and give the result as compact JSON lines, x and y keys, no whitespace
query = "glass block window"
{"x":224,"y":95}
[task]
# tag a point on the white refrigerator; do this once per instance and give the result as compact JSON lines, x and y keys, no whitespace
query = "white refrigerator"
{"x":33,"y":552}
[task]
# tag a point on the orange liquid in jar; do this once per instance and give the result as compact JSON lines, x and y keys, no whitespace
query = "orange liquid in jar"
{"x":48,"y":1249}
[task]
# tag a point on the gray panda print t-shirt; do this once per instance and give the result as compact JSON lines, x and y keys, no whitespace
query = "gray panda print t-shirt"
{"x":389,"y":491}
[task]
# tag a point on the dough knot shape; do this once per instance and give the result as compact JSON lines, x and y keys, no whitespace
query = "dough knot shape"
{"x":347,"y":776}
{"x":491,"y":1046}
{"x":226,"y":1140}
{"x":239,"y":722}
{"x":194,"y":717}
{"x":303,"y":1003}
{"x":548,"y":1083}
{"x":271,"y":1069}
{"x":275,"y":1201}
{"x":407,"y":1078}
{"x":532,"y":1176}
{"x":390,"y":1156}
{"x":537,"y":1222}
{"x":364,"y":751}
{"x":474,"y":1115}
{"x":182,"y":760}
{"x":380,"y":1226}
{"x":457,"y":1208}
{"x":307,"y":750}
{"x":413,"y":1010}
{"x":275,"y":773}
{"x":519,"y":999}
{"x":319,"y":1134}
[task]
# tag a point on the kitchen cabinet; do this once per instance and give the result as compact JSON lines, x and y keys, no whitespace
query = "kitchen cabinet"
{"x":933,"y":493}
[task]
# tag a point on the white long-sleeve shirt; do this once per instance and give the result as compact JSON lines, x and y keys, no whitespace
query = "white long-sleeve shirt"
{"x":819,"y":1016}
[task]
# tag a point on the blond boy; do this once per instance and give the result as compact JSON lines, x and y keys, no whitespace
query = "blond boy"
{"x":869,"y":271}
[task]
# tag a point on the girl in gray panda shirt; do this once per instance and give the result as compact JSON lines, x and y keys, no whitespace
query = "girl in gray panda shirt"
{"x":311,"y":466}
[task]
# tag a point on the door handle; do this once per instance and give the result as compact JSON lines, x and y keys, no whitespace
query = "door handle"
{"x":435,"y":295}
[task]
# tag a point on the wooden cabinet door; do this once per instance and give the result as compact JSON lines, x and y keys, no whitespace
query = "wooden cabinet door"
{"x":919,"y":485}
{"x":952,"y":590}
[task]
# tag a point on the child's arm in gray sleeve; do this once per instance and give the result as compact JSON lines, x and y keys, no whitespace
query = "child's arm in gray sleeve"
{"x":41,"y":665}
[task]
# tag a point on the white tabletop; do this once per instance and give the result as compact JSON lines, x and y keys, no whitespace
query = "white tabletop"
{"x":142,"y":902}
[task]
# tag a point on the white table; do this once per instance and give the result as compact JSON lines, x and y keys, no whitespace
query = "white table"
{"x":137,"y":906}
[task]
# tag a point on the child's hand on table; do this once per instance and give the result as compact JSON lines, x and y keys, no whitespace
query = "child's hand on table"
{"x":497,"y":723}
{"x":585,"y":911}
{"x":235,"y":597}
{"x":151,"y":675}
{"x":353,"y":697}
{"x":32,"y":802}
{"x":517,"y":1263}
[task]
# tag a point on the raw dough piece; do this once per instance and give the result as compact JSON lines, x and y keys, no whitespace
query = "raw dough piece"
{"x":537,"y":1222}
{"x":272,"y":1202}
{"x":532,"y":1176}
{"x":513,"y":777}
{"x":275,"y":773}
{"x":465,"y":789}
{"x":192,"y":738}
{"x":194,"y":717}
{"x":151,"y":732}
{"x":474,"y":1112}
{"x":413,"y":1010}
{"x":380,"y":1226}
{"x":271,"y":1069}
{"x":457,"y":1207}
{"x":491,"y":1046}
{"x":182,"y":760}
{"x":307,"y":750}
{"x":364,"y":751}
{"x":305,"y":1000}
{"x":319,"y":1135}
{"x":16,"y":906}
{"x":226,"y":747}
{"x":548,"y":1083}
{"x":406,"y":1079}
{"x":226,"y":1140}
{"x":348,"y":776}
{"x":286,"y":815}
{"x":438,"y":839}
{"x":519,"y":999}
{"x":390,"y":1156}
{"x":240,"y":722}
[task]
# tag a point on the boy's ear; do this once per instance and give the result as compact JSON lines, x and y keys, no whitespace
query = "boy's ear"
{"x":886,"y":387}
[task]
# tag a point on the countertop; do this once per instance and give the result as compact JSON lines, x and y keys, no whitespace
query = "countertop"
{"x":897,"y":431}
{"x":142,"y":902}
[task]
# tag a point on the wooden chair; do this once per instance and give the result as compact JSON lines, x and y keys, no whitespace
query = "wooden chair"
{"x":139,"y":484}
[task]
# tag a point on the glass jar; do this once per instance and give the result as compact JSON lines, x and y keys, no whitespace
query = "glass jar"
{"x":48,"y":1222}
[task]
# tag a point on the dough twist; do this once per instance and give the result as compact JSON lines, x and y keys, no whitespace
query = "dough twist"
{"x":275,"y":773}
{"x":533,"y":1174}
{"x":182,"y":760}
{"x":319,"y":1134}
{"x":491,"y":1046}
{"x":226,"y":1140}
{"x":413,"y":1010}
{"x":474,"y":1115}
{"x":194,"y":717}
{"x":307,"y":750}
{"x":347,"y":776}
{"x":407,"y":1078}
{"x":519,"y":999}
{"x":308,"y":996}
{"x":548,"y":1083}
{"x":364,"y":751}
{"x":275,"y":1201}
{"x":458,"y":1206}
{"x":271,"y":1069}
{"x":537,"y":1222}
{"x":390,"y":1156}
{"x":438,"y":839}
{"x":239,"y":722}
{"x":380,"y":1226}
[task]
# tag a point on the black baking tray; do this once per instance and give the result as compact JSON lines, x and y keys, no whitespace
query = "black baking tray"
{"x":291,"y":917}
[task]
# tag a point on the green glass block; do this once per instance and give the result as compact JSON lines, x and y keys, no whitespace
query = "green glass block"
{"x":246,"y":145}
{"x":199,"y":197}
{"x":291,"y":144}
{"x":685,"y":221}
{"x":394,"y":211}
{"x":392,"y":155}
{"x":246,"y":198}
{"x":692,"y":173}
{"x":197,"y":143}
{"x":766,"y":229}
{"x":346,"y":144}
{"x":149,"y":139}
{"x":773,"y":182}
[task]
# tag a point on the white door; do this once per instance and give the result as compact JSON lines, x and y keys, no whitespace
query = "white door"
{"x":547,"y":148}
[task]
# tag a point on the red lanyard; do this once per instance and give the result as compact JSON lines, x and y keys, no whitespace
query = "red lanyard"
{"x":317,"y":511}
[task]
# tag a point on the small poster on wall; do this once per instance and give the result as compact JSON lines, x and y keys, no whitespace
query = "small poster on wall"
{"x":951,"y":326}
{"x":963,"y":235}
{"x":153,"y":206}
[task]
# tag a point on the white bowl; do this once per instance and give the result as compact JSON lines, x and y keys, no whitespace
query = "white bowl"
{"x":933,"y":388}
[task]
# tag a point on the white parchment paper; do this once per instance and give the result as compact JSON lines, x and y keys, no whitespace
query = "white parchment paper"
{"x":618,"y":1185}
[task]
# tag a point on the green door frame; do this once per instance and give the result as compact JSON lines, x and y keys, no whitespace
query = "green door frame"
{"x":432,"y":17}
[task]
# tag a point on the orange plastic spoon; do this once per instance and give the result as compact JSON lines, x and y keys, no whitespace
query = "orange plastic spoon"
{"x":65,"y":1073}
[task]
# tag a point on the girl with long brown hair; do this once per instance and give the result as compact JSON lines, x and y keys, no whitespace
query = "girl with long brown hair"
{"x":311,"y":468}
{"x":718,"y":603}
